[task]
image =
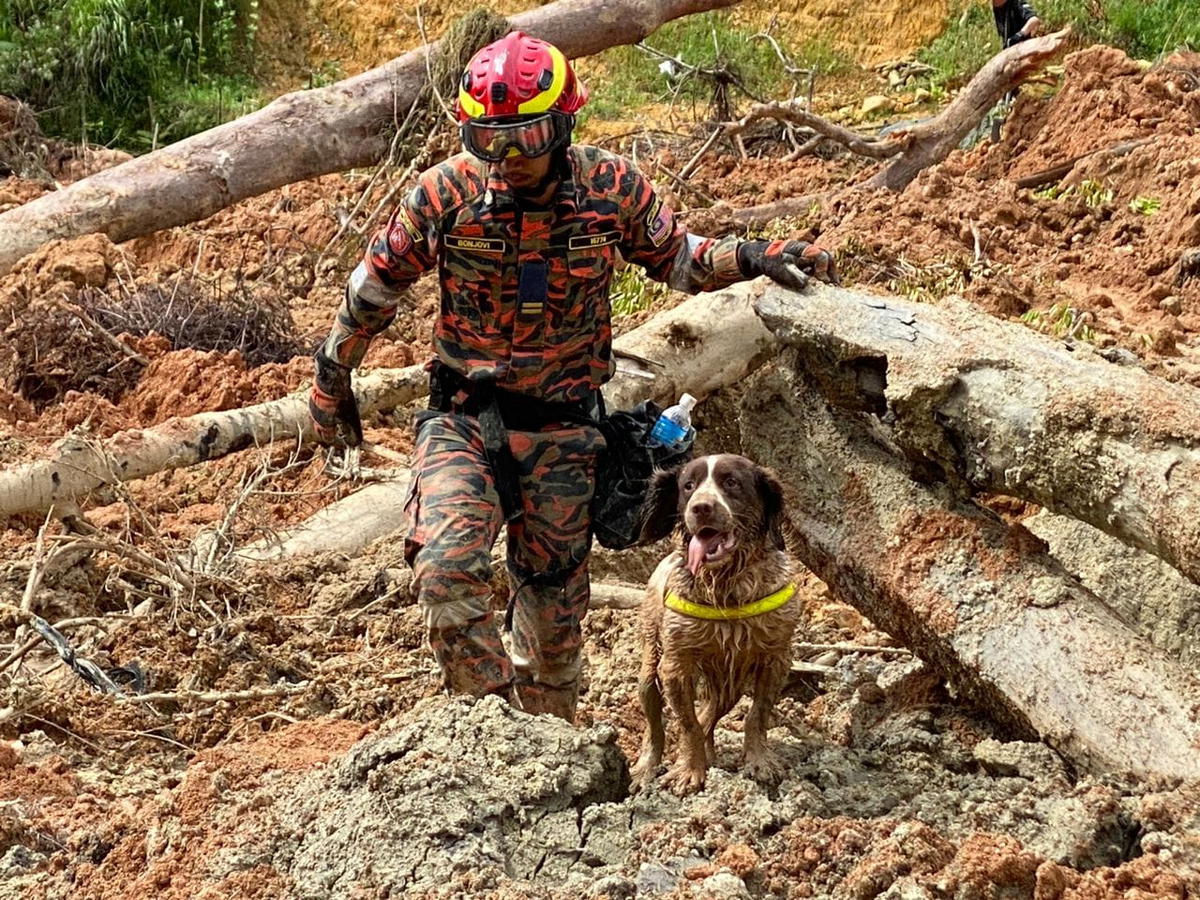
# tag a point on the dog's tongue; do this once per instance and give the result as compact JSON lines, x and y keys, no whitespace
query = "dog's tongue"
{"x":700,"y":546}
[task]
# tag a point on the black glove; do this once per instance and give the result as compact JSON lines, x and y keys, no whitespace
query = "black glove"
{"x":332,"y":405}
{"x":788,"y":262}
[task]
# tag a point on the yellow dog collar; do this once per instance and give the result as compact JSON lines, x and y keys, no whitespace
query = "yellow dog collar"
{"x":757,"y":608}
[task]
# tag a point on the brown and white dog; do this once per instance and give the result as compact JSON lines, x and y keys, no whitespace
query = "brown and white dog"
{"x":720,"y":607}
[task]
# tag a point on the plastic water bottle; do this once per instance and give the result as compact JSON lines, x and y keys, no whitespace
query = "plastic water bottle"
{"x":673,"y":425}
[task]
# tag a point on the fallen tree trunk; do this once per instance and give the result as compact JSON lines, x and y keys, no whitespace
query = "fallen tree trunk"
{"x":923,"y":145}
{"x":979,"y":600}
{"x":346,"y":526}
{"x":298,"y":136}
{"x":79,"y":466}
{"x":998,"y":407}
{"x":931,"y":142}
{"x":707,"y":342}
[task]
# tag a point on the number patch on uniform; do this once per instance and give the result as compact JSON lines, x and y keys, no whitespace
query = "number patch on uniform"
{"x":476,"y":244}
{"x":588,"y":241}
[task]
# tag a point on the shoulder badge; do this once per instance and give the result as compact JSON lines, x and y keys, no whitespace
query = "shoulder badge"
{"x":660,"y":222}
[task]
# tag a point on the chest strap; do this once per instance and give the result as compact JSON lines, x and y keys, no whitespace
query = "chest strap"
{"x":767,"y":604}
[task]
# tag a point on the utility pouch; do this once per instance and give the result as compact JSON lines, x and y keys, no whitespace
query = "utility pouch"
{"x":624,"y":470}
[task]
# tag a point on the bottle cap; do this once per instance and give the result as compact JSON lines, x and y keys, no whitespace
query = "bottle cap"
{"x":688,"y":402}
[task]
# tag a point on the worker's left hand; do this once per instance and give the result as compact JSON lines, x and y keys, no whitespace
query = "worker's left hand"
{"x":788,"y":262}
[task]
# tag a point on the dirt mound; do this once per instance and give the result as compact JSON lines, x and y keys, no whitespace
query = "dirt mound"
{"x":482,"y":788}
{"x":297,"y":40}
{"x":1106,"y":242}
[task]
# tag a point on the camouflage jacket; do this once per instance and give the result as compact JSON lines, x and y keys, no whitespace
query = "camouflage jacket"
{"x":524,"y":294}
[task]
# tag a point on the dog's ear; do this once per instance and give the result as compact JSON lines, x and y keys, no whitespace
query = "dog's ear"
{"x":660,"y":510}
{"x":771,"y":492}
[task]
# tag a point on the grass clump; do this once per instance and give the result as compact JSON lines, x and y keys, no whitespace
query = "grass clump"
{"x":1061,"y":321}
{"x":734,"y":62}
{"x":129,"y":73}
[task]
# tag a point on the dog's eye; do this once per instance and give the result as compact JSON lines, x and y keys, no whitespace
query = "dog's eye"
{"x":731,"y":484}
{"x":689,"y":486}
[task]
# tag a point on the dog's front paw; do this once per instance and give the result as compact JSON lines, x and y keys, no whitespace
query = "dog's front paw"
{"x":683,"y":779}
{"x":641,"y":776}
{"x":764,"y":767}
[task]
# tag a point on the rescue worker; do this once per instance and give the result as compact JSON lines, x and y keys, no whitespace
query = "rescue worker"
{"x":523,"y":229}
{"x":1015,"y":21}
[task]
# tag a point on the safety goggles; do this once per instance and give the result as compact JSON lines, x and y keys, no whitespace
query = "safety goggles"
{"x":493,"y":140}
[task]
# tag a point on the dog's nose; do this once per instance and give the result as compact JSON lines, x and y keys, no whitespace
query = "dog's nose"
{"x":701,"y":508}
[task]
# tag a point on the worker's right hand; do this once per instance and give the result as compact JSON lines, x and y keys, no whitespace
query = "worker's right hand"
{"x":332,"y":406}
{"x":789,"y":263}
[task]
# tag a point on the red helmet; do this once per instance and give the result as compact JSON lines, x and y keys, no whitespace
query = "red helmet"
{"x":518,"y":75}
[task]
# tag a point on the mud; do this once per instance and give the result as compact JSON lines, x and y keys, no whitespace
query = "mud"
{"x":365,"y":779}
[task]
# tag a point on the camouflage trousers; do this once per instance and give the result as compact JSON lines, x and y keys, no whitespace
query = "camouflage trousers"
{"x":454,"y":516}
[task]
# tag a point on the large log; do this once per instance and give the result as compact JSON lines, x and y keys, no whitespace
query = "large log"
{"x":981,"y":601}
{"x":298,"y":136}
{"x":78,"y":466}
{"x":996,"y":406}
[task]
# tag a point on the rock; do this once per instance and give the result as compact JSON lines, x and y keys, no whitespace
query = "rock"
{"x":457,"y":784}
{"x":1172,"y":305}
{"x":723,"y":885}
{"x":876,"y":103}
{"x":1020,"y":758}
{"x":614,"y":887}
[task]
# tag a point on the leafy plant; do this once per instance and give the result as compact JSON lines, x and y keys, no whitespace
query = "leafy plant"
{"x":1142,"y":29}
{"x":128,"y":72}
{"x":1147,"y":206}
{"x":1061,"y":321}
{"x":732,"y":60}
{"x":633,"y":292}
{"x":1093,"y":193}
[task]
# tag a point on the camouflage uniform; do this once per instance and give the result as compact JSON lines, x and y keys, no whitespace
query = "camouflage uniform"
{"x":524,"y":307}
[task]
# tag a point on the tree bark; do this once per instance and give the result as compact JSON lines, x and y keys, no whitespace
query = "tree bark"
{"x":981,"y":601}
{"x":298,"y":136}
{"x":709,"y":341}
{"x":994,"y":406}
{"x":347,"y":526}
{"x":78,"y":466}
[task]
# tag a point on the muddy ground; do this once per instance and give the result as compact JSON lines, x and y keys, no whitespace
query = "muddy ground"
{"x":362,"y":780}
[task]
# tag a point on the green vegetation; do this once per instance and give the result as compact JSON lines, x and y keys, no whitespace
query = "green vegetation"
{"x":734,"y":62}
{"x":1062,"y":321}
{"x":1094,"y":194}
{"x":1147,"y":206}
{"x":1145,"y":29}
{"x":130,"y":73}
{"x":633,"y":292}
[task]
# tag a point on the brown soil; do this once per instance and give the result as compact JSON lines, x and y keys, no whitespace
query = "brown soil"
{"x":108,"y":800}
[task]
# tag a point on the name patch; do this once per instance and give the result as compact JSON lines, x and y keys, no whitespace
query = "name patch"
{"x":588,"y":241}
{"x":475,"y":244}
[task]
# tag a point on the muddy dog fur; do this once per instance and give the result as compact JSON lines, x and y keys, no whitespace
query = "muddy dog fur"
{"x":728,"y":514}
